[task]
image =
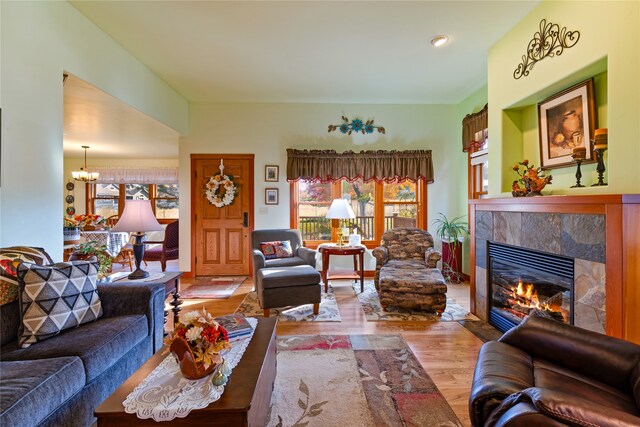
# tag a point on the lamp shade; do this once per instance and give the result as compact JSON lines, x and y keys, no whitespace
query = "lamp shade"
{"x":137,"y":217}
{"x":340,"y":209}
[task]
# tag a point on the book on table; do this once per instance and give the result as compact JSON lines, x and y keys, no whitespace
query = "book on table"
{"x":236,"y":325}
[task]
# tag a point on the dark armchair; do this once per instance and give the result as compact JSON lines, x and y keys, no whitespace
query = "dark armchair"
{"x":169,"y":248}
{"x":301,"y":255}
{"x":547,"y":373}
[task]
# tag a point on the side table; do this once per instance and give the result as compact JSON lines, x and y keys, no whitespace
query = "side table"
{"x":171,"y":280}
{"x":358,"y":264}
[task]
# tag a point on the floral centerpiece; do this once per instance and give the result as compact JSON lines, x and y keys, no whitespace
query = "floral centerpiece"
{"x":197,"y":343}
{"x":531,"y":177}
{"x":90,"y":221}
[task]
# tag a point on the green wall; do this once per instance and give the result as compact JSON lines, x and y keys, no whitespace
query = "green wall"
{"x":608,"y":51}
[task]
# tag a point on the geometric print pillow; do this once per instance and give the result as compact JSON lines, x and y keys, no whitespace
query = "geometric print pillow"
{"x":56,"y":297}
{"x":276,"y":249}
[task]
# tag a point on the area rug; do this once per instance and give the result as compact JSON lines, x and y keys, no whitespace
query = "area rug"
{"x":217,"y":287}
{"x":328,"y":312}
{"x":354,"y":380}
{"x":370,"y":303}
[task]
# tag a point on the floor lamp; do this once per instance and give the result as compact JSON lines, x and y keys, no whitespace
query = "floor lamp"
{"x":138,"y":218}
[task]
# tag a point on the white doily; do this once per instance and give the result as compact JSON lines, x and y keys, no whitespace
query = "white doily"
{"x":165,"y":394}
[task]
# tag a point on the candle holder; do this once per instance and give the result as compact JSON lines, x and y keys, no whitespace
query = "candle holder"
{"x":578,"y":173}
{"x":600,"y":168}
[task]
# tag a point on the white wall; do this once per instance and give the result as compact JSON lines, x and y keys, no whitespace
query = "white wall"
{"x":38,"y":41}
{"x":267,"y":130}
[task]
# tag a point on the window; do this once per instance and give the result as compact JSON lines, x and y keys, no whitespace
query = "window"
{"x":377,"y":206}
{"x":166,"y":201}
{"x":400,"y":205}
{"x":109,"y":199}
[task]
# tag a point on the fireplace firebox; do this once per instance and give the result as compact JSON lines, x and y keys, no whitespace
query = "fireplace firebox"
{"x":527,"y":282}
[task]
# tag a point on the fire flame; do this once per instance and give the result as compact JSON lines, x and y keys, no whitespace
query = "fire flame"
{"x":527,"y":293}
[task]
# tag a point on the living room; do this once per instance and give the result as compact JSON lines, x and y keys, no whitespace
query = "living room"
{"x":251,"y":114}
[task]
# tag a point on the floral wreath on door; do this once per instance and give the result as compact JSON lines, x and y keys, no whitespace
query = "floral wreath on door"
{"x":220,"y":189}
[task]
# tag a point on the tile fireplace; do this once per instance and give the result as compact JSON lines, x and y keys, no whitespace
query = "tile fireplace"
{"x":524,"y":282}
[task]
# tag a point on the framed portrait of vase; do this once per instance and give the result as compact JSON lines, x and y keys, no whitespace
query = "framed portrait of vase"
{"x":567,"y":120}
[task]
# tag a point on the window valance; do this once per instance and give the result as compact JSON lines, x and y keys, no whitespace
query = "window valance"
{"x":136,"y":175}
{"x":329,"y":165}
{"x":473,"y":123}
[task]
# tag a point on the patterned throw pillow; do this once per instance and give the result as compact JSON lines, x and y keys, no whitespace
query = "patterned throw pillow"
{"x":277,"y":249}
{"x":56,"y":297}
{"x":9,"y":260}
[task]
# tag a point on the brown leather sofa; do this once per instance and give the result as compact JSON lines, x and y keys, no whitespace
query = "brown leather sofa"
{"x":546,"y":373}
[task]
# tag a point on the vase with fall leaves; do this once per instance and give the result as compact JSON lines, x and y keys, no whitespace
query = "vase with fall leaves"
{"x":531,"y":178}
{"x":197,"y":343}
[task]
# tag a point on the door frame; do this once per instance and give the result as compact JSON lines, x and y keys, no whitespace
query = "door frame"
{"x":194,"y":194}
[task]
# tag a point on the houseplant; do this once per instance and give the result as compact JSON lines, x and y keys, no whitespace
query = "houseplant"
{"x":197,"y":343}
{"x":452,"y":233}
{"x":93,"y":248}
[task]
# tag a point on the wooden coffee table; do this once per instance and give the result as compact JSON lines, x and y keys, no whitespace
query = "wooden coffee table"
{"x":246,"y":397}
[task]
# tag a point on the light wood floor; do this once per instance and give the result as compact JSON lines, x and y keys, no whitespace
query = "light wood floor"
{"x":446,"y":350}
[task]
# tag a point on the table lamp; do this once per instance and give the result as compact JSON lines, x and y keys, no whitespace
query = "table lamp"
{"x":138,"y":218}
{"x":340,"y":210}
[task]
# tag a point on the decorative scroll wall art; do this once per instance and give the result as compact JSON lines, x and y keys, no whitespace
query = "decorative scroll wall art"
{"x":548,"y":42}
{"x":356,"y":125}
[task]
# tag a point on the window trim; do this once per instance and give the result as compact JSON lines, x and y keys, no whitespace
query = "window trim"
{"x":90,"y":192}
{"x":421,"y":215}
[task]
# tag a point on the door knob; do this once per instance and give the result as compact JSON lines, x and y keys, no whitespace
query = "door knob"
{"x":245,"y":219}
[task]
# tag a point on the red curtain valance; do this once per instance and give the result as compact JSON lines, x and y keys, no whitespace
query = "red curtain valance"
{"x":329,"y":165}
{"x":473,"y":123}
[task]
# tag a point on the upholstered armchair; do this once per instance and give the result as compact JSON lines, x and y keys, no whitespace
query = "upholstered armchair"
{"x":301,"y":255}
{"x":169,"y":249}
{"x":405,"y":248}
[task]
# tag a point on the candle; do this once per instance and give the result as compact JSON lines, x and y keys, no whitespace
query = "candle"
{"x":601,"y":139}
{"x":579,"y":153}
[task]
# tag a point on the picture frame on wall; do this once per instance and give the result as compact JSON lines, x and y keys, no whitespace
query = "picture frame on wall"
{"x":271,"y":173}
{"x":271,"y":196}
{"x":567,"y":120}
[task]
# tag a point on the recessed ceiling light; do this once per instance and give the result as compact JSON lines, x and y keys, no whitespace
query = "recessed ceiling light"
{"x":439,"y":40}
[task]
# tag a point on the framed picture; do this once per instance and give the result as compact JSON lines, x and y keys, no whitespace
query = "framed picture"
{"x":271,"y":196}
{"x":565,"y":121}
{"x":271,"y":173}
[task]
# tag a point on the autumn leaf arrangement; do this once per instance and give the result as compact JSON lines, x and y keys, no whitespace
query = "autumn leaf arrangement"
{"x":204,"y":335}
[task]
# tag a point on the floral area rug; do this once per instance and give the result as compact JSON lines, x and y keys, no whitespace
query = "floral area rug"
{"x":354,"y":380}
{"x":250,"y":307}
{"x":373,"y":311}
{"x":217,"y":287}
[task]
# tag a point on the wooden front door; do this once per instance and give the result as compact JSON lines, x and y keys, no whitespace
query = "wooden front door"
{"x":221,"y":243}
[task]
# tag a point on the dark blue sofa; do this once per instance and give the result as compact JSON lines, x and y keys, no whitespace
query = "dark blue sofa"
{"x":60,"y":381}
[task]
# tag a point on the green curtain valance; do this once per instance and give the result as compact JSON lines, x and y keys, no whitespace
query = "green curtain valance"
{"x":473,"y":123}
{"x":329,"y":165}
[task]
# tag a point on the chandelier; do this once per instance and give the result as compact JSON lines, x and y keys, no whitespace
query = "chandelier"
{"x":84,"y":174}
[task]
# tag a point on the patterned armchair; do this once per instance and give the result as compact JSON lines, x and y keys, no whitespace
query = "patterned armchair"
{"x":405,"y":248}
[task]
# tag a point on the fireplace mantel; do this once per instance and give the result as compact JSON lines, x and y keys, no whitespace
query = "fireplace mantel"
{"x":617,"y":220}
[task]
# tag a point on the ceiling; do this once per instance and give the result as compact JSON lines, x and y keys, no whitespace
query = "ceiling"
{"x":111,"y":128}
{"x":311,"y":51}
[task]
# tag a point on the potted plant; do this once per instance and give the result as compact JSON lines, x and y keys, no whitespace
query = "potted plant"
{"x":90,"y":249}
{"x":452,"y":233}
{"x":71,"y":231}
